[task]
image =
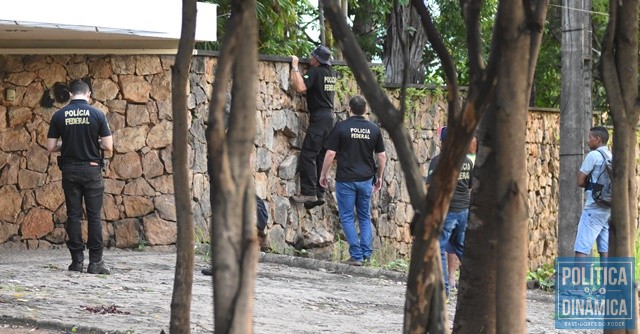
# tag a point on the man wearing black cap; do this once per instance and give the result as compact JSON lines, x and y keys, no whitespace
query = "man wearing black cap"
{"x":455,"y":223}
{"x":319,"y":85}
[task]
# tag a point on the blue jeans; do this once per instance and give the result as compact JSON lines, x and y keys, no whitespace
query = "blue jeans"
{"x":83,"y":183}
{"x":356,"y":197}
{"x":455,"y":225}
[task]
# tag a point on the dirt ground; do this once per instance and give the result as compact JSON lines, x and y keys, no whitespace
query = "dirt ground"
{"x":293,"y":295}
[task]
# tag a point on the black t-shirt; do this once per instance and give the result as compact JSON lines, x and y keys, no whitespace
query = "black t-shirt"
{"x":320,"y":82}
{"x":355,"y":140}
{"x":79,"y":125}
{"x":462,"y":193}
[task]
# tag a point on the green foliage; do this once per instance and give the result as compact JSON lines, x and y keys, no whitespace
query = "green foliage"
{"x":369,"y":24}
{"x":543,"y":276}
{"x":344,"y":87}
{"x":281,"y":30}
{"x":547,"y":81}
{"x":636,"y":255}
{"x":450,"y":25}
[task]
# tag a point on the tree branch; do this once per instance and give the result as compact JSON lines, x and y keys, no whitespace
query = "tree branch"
{"x":380,"y":104}
{"x":471,"y":14}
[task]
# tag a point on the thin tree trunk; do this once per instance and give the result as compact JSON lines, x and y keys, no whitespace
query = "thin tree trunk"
{"x":233,"y":232}
{"x":181,"y":299}
{"x":323,"y":36}
{"x":619,"y":73}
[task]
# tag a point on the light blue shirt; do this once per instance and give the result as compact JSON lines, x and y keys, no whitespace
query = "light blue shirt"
{"x":594,"y":162}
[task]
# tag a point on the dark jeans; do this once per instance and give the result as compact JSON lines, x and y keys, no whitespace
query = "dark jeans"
{"x":312,"y":152}
{"x":83,"y":182}
{"x":453,"y":231}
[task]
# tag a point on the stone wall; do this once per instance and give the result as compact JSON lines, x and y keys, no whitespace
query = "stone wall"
{"x":134,"y":93}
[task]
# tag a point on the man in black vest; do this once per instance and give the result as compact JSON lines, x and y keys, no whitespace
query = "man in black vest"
{"x":353,"y":142}
{"x":79,"y":131}
{"x":319,"y":85}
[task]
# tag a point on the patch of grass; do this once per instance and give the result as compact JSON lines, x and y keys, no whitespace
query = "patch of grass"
{"x":201,"y":235}
{"x":142,"y":245}
{"x":397,"y":265}
{"x":340,"y":249}
{"x":543,"y":276}
{"x":388,"y":258}
{"x":52,"y":266}
{"x":636,"y":255}
{"x":384,"y":256}
{"x":301,"y":252}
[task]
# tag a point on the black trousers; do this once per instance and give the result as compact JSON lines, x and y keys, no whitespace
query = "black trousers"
{"x":83,"y":182}
{"x":312,"y":152}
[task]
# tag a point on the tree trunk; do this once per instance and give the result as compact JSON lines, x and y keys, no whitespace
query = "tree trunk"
{"x":515,"y":77}
{"x":233,"y":233}
{"x":511,"y":187}
{"x":575,"y":118}
{"x":181,"y":299}
{"x":496,"y":235}
{"x":404,"y":31}
{"x":619,"y":72}
{"x":476,"y":307}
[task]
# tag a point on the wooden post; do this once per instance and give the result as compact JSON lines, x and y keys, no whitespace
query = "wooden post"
{"x":575,"y":116}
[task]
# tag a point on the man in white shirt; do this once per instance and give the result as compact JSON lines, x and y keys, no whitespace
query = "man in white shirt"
{"x":594,"y":221}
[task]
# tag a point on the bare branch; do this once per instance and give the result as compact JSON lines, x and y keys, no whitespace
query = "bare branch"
{"x":451,"y":75}
{"x":405,"y":56}
{"x":471,"y":14}
{"x":389,"y":117}
{"x":608,"y":70}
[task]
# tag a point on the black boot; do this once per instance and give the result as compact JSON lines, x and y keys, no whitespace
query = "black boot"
{"x":77,"y":262}
{"x":319,"y":201}
{"x":98,"y":268}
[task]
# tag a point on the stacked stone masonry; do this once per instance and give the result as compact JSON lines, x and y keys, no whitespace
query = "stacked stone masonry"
{"x":135,"y":94}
